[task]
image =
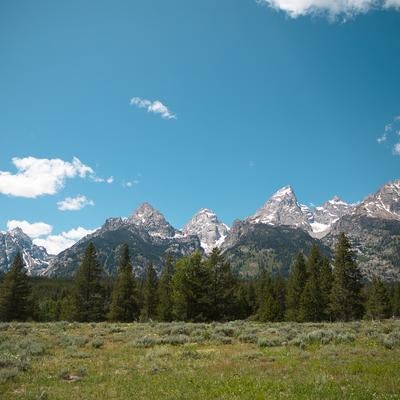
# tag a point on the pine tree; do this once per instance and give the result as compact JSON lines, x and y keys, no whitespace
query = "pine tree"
{"x":165,"y":301}
{"x":222,"y":288}
{"x":325,"y":285}
{"x":345,"y":299}
{"x":396,"y":300}
{"x":88,"y":296}
{"x":150,"y":294}
{"x":311,"y":308}
{"x":270,"y":309}
{"x":296,"y":283}
{"x":280,"y":288}
{"x":378,"y":303}
{"x":191,"y":289}
{"x":15,"y":292}
{"x":124,"y":304}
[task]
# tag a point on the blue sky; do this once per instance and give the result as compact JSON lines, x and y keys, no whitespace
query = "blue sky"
{"x":257,"y":96}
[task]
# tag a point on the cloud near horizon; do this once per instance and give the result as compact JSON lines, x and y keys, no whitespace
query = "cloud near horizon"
{"x":155,"y":107}
{"x":55,"y":244}
{"x":332,"y":9}
{"x":74,"y":203}
{"x":41,"y":176}
{"x":34,"y":230}
{"x":40,"y":233}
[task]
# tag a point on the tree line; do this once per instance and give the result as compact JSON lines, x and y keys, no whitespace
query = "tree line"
{"x":196,"y":289}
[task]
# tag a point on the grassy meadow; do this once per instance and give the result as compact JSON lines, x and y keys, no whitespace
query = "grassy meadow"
{"x":235,"y":360}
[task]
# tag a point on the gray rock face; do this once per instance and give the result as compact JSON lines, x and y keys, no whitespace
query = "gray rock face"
{"x":147,"y":233}
{"x":152,"y":221}
{"x":376,"y":242}
{"x":206,"y":226}
{"x":250,"y":246}
{"x":385,"y":203}
{"x":35,"y":257}
{"x":326,"y":215}
{"x":282,"y":209}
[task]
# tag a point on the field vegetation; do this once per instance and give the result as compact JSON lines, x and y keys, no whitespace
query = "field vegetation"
{"x":177,"y":360}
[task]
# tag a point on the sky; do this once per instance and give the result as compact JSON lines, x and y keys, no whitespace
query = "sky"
{"x":188,"y":104}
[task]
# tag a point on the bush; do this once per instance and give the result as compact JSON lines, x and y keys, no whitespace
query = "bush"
{"x":270,"y":342}
{"x":225,"y":330}
{"x":248,"y":338}
{"x":32,"y":348}
{"x":222,"y":339}
{"x":97,"y":343}
{"x":391,"y":340}
{"x":146,"y":341}
{"x":176,"y":339}
{"x":8,"y":373}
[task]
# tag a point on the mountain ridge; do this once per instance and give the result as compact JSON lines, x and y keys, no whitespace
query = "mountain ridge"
{"x":150,"y":234}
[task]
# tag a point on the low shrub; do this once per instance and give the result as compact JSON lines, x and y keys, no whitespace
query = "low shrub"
{"x":220,"y":338}
{"x":97,"y":343}
{"x":146,"y":341}
{"x":270,"y":341}
{"x":176,"y":339}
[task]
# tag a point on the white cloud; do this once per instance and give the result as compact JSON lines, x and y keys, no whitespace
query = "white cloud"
{"x":331,"y":8}
{"x":55,"y":244}
{"x":155,"y":107}
{"x":129,"y":184}
{"x":33,"y":230}
{"x":102,"y":180}
{"x":392,"y":129}
{"x":382,"y":138}
{"x":41,"y":176}
{"x":74,"y":203}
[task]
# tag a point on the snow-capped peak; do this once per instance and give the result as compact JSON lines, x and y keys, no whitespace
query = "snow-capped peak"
{"x":207,"y":227}
{"x":35,"y":258}
{"x":282,"y":209}
{"x":385,"y":203}
{"x":152,"y":220}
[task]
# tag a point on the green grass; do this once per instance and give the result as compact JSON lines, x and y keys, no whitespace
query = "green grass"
{"x":236,"y":360}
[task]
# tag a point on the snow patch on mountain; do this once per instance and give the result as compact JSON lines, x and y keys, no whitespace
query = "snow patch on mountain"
{"x":35,"y":257}
{"x":207,"y":227}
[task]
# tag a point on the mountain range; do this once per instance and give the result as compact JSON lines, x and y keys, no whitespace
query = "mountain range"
{"x":270,"y":237}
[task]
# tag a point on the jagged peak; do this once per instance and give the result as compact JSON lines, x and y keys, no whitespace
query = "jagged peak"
{"x":337,"y":200}
{"x":153,"y":220}
{"x":284,"y":192}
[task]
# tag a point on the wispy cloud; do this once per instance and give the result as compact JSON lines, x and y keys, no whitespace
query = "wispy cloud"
{"x":41,"y":176}
{"x":55,"y":244}
{"x":74,"y":203}
{"x":332,"y":9}
{"x":129,"y":184}
{"x":155,"y":107}
{"x":34,"y":230}
{"x":390,"y":134}
{"x":382,"y":138}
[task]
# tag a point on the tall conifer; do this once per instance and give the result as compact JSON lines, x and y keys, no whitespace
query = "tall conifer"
{"x":124,"y":304}
{"x":165,"y":301}
{"x":89,"y":293}
{"x":150,"y":294}
{"x":296,"y":283}
{"x":345,"y":299}
{"x":15,"y":292}
{"x":378,"y":303}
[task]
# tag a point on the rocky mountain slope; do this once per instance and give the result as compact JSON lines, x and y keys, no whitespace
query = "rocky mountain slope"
{"x":207,"y":227}
{"x":272,"y":236}
{"x":35,"y":257}
{"x":147,"y":233}
{"x":250,"y":246}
